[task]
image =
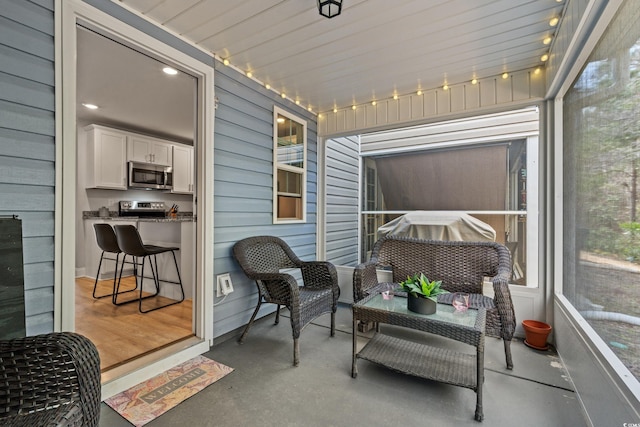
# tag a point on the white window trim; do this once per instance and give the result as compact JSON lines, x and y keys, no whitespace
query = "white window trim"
{"x":279,"y":111}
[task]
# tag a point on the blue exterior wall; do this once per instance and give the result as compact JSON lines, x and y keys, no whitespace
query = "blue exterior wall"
{"x":342,"y":198}
{"x":243,"y":170}
{"x":27,"y":145}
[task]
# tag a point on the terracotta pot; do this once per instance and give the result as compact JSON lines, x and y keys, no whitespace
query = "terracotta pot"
{"x":536,"y":334}
{"x":421,"y":305}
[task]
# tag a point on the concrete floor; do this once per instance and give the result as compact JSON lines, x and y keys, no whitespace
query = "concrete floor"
{"x":266,"y":390}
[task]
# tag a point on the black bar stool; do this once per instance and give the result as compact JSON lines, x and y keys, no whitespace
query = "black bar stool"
{"x":108,"y":243}
{"x":131,"y":244}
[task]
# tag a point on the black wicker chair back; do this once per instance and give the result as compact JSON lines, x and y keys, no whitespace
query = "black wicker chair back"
{"x":462,"y":267}
{"x":50,"y":380}
{"x":131,"y":244}
{"x":263,"y":258}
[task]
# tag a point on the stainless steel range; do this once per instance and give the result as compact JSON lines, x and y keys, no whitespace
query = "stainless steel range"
{"x":142,"y":209}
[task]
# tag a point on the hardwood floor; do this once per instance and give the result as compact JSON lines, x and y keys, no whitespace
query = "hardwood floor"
{"x":122,"y":333}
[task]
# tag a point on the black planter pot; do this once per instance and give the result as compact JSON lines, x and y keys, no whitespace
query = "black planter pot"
{"x":421,"y":305}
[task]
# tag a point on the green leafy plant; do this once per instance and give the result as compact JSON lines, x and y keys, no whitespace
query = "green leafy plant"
{"x":419,"y":285}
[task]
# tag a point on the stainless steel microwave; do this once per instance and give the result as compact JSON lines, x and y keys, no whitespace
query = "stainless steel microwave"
{"x":150,"y":176}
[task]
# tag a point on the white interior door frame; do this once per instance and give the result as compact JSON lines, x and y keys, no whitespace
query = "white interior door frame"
{"x":68,"y":14}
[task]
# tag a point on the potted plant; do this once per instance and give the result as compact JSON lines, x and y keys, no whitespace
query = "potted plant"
{"x":422,"y":293}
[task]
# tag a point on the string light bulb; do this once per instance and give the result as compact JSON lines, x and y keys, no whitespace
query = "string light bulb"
{"x":554,"y":21}
{"x":335,"y":110}
{"x":249,"y":74}
{"x":544,"y":57}
{"x":445,"y":87}
{"x":395,"y":96}
{"x":373,"y":102}
{"x":419,"y":92}
{"x":353,"y":107}
{"x":474,"y":81}
{"x":505,"y":75}
{"x":225,"y":61}
{"x":268,"y":86}
{"x":547,"y":40}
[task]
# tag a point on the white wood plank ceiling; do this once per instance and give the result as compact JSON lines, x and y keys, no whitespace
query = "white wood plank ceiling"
{"x":371,"y":51}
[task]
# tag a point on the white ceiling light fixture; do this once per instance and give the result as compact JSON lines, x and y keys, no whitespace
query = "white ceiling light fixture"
{"x":170,"y":71}
{"x":90,"y":106}
{"x":329,"y":8}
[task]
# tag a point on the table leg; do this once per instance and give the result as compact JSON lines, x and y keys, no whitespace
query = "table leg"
{"x":479,"y":380}
{"x":354,"y":368}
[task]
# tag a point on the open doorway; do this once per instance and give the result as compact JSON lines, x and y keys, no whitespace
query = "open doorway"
{"x":127,"y":105}
{"x":196,"y":64}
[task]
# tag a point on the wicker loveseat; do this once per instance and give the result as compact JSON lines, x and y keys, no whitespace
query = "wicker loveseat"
{"x":462,"y":267}
{"x":49,"y":380}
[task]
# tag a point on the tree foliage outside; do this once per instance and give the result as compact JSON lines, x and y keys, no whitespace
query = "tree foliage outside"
{"x":601,"y":168}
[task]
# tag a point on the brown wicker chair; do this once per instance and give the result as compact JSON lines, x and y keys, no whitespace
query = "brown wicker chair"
{"x":262,"y":258}
{"x":49,"y":380}
{"x":462,"y":267}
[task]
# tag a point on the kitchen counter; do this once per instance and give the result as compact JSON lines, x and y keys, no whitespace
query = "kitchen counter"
{"x":182,"y":217}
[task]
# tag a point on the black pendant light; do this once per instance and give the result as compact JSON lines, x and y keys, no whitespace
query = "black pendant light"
{"x":329,"y":8}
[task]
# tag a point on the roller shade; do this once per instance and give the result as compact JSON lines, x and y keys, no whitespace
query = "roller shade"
{"x":462,"y":179}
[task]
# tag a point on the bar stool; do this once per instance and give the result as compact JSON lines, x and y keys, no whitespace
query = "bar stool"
{"x":131,"y":244}
{"x":108,"y":243}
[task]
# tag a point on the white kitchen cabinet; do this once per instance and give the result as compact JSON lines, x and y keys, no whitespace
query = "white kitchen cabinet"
{"x":183,"y":169}
{"x":149,"y":150}
{"x":106,"y":158}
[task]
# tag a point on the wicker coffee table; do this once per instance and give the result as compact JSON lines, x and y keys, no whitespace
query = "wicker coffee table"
{"x":422,"y":360}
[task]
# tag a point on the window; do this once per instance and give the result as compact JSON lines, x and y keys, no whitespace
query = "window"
{"x":601,"y":163}
{"x":289,"y":167}
{"x":471,"y":186}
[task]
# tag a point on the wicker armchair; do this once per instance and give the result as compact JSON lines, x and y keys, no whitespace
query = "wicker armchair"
{"x":262,"y":258}
{"x":49,"y":380}
{"x":462,"y":267}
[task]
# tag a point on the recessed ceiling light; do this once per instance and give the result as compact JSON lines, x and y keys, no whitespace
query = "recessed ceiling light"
{"x":474,"y":81}
{"x":225,"y":61}
{"x":280,"y":120}
{"x":553,"y":22}
{"x":353,"y":107}
{"x":505,"y":75}
{"x":284,"y":95}
{"x":419,"y":92}
{"x":170,"y":71}
{"x":249,"y":74}
{"x":335,"y":110}
{"x":373,"y":102}
{"x":544,"y":57}
{"x":267,"y":86}
{"x":547,"y":40}
{"x":90,"y":106}
{"x":445,"y":87}
{"x":395,"y":96}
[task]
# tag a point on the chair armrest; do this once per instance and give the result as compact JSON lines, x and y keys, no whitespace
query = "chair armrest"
{"x":504,"y":304}
{"x":365,"y":277}
{"x":321,"y":275}
{"x":278,"y":288}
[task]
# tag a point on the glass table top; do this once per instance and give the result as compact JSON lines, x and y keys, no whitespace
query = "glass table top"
{"x":444,"y":312}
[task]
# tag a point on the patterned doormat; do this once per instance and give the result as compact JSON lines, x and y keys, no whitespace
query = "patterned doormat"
{"x":150,"y":399}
